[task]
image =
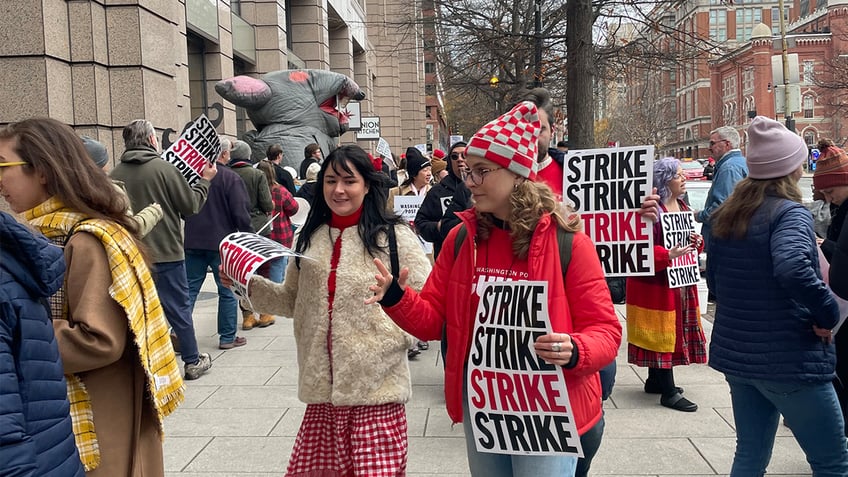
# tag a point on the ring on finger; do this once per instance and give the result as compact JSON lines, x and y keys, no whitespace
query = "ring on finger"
{"x":556,"y":347}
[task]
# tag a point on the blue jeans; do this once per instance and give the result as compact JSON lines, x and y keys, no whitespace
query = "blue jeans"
{"x":197,"y":262}
{"x":591,"y":442}
{"x":812,"y":412}
{"x":277,"y":269}
{"x":172,"y":288}
{"x":484,"y":464}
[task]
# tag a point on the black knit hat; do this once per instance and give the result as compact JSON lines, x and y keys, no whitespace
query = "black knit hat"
{"x":415,"y":161}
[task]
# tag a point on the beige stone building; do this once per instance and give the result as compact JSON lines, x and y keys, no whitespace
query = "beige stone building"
{"x":99,"y":64}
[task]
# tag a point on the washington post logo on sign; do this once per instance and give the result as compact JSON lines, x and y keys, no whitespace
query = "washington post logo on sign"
{"x":518,"y":403}
{"x":607,"y":187}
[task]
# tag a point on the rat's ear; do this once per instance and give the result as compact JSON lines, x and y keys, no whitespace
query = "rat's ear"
{"x":244,"y":91}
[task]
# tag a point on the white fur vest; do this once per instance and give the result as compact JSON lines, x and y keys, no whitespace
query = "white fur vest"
{"x":369,"y":364}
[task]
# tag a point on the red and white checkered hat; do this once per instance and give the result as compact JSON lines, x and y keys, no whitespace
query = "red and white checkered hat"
{"x":511,"y":140}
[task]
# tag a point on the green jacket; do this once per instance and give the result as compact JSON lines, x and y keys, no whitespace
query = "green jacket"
{"x":148,"y":179}
{"x":258,"y":194}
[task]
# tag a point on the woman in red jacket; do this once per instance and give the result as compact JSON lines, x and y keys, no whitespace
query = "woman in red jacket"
{"x":511,"y":237}
{"x":663,"y":323}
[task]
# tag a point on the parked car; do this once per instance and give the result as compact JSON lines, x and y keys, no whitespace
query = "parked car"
{"x":693,"y":170}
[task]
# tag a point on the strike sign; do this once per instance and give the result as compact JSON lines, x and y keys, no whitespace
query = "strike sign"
{"x":196,"y":147}
{"x":677,"y":227}
{"x":242,"y":253}
{"x":607,"y":187}
{"x":518,"y":403}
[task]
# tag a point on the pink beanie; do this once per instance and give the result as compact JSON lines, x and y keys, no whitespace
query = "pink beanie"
{"x":773,"y":150}
{"x":510,"y":141}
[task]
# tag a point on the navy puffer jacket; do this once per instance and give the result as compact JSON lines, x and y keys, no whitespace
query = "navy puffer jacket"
{"x":35,"y":426}
{"x":769,"y":294}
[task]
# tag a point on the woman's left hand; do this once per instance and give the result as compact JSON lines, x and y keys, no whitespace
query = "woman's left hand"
{"x":554,"y":348}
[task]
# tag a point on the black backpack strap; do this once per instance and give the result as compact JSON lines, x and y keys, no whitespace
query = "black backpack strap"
{"x":458,"y":239}
{"x":565,"y":239}
{"x":393,"y":251}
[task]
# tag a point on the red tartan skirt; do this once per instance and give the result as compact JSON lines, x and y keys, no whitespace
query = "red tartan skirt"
{"x":347,"y":441}
{"x":690,"y":345}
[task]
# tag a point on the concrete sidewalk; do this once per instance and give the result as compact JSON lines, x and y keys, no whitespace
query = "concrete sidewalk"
{"x":241,"y":418}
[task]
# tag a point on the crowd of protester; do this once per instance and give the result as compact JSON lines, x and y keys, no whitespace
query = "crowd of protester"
{"x":106,"y":277}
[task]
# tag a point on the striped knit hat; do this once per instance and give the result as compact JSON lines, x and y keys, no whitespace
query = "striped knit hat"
{"x":511,"y":140}
{"x":831,"y":169}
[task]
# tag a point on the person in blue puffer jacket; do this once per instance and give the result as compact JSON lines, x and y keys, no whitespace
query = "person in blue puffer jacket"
{"x":772,"y":334}
{"x":36,"y":438}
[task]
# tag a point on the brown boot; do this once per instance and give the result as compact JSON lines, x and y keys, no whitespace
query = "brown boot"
{"x":265,"y":320}
{"x":249,"y":321}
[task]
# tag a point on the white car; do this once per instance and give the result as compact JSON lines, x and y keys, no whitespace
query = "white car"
{"x":696,"y":197}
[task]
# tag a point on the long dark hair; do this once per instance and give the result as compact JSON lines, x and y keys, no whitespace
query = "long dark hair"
{"x":374,"y":219}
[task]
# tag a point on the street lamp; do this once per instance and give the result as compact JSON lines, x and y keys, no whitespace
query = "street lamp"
{"x":493,"y":83}
{"x":787,"y":109}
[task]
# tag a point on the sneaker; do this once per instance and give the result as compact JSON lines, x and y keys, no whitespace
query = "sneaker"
{"x":423,"y":345}
{"x":198,"y":369}
{"x":412,"y":352}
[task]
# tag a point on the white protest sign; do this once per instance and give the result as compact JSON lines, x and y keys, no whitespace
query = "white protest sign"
{"x":383,"y":148}
{"x":607,"y":187}
{"x":242,"y":253}
{"x":370,"y":128}
{"x":406,"y":206}
{"x":196,"y":147}
{"x":677,"y":227}
{"x":518,"y":403}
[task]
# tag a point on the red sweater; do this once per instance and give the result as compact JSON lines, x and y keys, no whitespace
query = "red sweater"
{"x":582,"y":308}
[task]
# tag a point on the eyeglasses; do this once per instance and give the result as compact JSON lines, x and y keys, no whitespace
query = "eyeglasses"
{"x":680,"y":176}
{"x":713,"y":143}
{"x":456,"y":155}
{"x":477,"y":175}
{"x":10,"y":164}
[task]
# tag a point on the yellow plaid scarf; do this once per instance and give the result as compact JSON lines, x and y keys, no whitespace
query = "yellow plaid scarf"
{"x":132,"y":287}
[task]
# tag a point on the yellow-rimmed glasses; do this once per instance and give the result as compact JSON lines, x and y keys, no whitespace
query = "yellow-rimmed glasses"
{"x":10,"y":164}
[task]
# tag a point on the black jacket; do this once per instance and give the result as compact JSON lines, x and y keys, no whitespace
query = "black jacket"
{"x":438,"y":207}
{"x":839,"y":257}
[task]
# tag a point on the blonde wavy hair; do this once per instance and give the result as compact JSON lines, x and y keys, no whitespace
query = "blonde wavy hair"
{"x":730,"y":219}
{"x":529,"y":201}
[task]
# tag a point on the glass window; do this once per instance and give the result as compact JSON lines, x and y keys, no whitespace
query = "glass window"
{"x":718,"y":25}
{"x":808,"y":106}
{"x":808,"y":71}
{"x":810,"y":137}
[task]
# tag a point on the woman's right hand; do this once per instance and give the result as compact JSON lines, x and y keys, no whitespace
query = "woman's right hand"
{"x":384,"y":281}
{"x":679,"y":251}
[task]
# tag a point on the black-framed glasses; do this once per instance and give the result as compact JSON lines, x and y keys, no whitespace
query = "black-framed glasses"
{"x":456,"y":155}
{"x":477,"y":175}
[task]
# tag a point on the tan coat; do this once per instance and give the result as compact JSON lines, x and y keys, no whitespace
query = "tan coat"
{"x":96,"y":345}
{"x":369,"y":363}
{"x":403,"y":190}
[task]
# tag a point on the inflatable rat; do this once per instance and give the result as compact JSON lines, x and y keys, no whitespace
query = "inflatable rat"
{"x":293,"y":108}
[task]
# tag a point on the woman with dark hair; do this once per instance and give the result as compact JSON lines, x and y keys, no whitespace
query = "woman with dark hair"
{"x":772,"y":333}
{"x":354,"y":376}
{"x":512,"y":235}
{"x":419,"y":175}
{"x":123,"y":378}
{"x":663,"y":323}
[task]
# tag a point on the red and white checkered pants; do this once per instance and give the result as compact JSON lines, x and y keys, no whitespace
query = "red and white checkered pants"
{"x":346,"y":441}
